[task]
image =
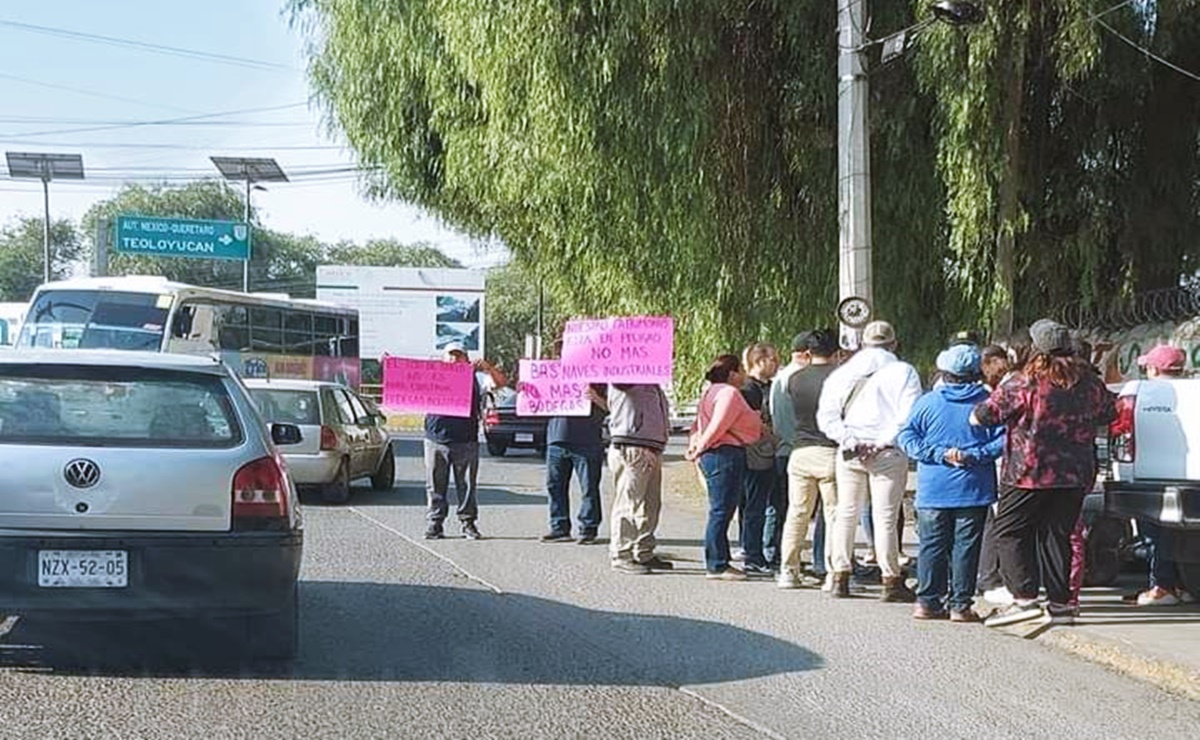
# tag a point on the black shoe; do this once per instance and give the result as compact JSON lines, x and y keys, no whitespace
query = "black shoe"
{"x":470,"y":531}
{"x":556,"y":537}
{"x":587,"y":539}
{"x":434,"y":532}
{"x":657,"y":563}
{"x":631,"y":568}
{"x":761,"y":571}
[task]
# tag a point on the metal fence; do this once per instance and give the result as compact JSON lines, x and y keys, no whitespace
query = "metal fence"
{"x":1151,"y":307}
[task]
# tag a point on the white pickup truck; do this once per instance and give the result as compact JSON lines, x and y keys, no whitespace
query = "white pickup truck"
{"x":1154,"y":453}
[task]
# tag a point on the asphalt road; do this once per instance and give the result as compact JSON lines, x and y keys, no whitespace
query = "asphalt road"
{"x":508,"y":637}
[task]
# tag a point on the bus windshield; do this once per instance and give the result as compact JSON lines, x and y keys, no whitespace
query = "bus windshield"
{"x":96,"y":319}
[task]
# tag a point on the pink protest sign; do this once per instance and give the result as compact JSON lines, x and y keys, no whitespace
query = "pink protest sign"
{"x":428,"y":386}
{"x":630,"y":349}
{"x":543,"y":391}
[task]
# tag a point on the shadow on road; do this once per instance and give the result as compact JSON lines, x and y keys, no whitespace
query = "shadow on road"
{"x":394,"y":632}
{"x":411,"y":493}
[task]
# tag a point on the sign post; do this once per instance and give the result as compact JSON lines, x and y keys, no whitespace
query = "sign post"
{"x":182,"y":237}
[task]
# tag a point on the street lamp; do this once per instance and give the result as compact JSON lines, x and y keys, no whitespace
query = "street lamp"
{"x":45,"y":167}
{"x":249,"y":170}
{"x":855,"y":290}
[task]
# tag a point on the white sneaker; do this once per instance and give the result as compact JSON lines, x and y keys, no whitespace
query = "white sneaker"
{"x":737,"y":555}
{"x":999,"y":596}
{"x":1157,"y":597}
{"x":827,"y":586}
{"x":1014,"y":613}
{"x":788,"y":579}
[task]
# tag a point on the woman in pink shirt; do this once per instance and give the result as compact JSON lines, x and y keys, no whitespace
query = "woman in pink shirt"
{"x":725,"y":424}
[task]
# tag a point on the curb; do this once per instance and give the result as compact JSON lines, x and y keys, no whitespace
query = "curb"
{"x":1116,"y":656}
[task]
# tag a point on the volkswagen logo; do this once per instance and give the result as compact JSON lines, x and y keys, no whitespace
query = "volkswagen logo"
{"x":82,"y":473}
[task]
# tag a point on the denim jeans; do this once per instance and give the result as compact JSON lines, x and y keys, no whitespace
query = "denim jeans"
{"x":757,"y":487}
{"x":588,"y":466}
{"x":776,"y":513}
{"x":1162,"y":567}
{"x":950,"y":544}
{"x":724,"y":469}
{"x":461,"y":458}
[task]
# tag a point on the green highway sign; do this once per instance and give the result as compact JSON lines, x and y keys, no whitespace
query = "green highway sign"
{"x":182,"y":237}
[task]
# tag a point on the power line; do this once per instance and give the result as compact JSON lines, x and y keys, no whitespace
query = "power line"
{"x":161,"y":122}
{"x":178,"y":147}
{"x":90,"y":93}
{"x":1149,"y":54}
{"x":145,"y":46}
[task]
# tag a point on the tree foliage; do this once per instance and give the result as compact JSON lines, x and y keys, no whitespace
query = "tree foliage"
{"x":390,"y":253}
{"x":22,"y":255}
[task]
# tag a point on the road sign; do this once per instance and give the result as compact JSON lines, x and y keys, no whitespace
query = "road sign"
{"x":182,"y":237}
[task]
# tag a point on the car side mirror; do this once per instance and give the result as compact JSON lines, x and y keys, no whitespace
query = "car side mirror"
{"x":286,"y":434}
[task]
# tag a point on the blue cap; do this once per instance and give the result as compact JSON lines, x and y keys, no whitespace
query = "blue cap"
{"x":961,"y":360}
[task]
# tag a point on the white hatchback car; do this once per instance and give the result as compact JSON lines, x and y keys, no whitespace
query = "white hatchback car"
{"x":144,"y":487}
{"x":344,"y":434}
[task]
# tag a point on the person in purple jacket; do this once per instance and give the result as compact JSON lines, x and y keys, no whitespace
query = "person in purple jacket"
{"x":956,"y":482}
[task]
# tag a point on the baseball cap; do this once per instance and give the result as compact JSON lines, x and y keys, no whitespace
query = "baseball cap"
{"x":961,"y":360}
{"x":878,"y":334}
{"x":966,"y":336}
{"x":1050,"y":337}
{"x":1164,"y":357}
{"x":802,"y":341}
{"x":454,"y":347}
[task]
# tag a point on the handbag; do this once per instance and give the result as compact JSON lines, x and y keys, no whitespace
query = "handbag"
{"x":760,"y":454}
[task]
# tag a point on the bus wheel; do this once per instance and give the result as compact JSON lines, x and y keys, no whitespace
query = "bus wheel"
{"x":338,"y":492}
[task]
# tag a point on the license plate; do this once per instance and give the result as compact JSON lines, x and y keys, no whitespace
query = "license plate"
{"x":524,"y":437}
{"x":83,"y":568}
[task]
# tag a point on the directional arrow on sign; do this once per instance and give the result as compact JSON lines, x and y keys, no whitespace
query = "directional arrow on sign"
{"x":225,"y":239}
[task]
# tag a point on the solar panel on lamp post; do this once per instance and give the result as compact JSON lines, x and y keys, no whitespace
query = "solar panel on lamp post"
{"x":45,"y":167}
{"x":249,"y":170}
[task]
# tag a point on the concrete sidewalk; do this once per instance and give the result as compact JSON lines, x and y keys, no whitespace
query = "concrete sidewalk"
{"x":1160,"y":645}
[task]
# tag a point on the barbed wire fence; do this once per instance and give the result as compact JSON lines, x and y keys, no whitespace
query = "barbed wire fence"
{"x":1152,"y":307}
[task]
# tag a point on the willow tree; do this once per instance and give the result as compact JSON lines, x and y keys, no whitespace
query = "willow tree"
{"x":1069,"y":157}
{"x":639,"y":155}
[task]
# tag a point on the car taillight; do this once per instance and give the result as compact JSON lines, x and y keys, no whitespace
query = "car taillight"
{"x":260,"y":494}
{"x":491,"y":418}
{"x":329,"y":440}
{"x":1121,"y":443}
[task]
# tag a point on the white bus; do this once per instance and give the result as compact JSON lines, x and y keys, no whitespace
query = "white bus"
{"x":260,"y":335}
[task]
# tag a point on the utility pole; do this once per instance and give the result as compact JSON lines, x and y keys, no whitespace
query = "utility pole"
{"x":854,"y":162}
{"x":45,"y":167}
{"x":246,"y":262}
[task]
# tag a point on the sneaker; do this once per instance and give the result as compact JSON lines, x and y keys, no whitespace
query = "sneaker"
{"x":737,"y":554}
{"x":999,"y":596}
{"x":587,"y":539}
{"x":470,"y":531}
{"x":827,"y":586}
{"x":924,"y":611}
{"x":729,"y":574}
{"x":761,"y":571}
{"x":557,"y":537}
{"x":630,"y":568}
{"x":1014,"y":613}
{"x":1060,"y":613}
{"x":1185,"y":596}
{"x":1157,"y":596}
{"x":657,"y":563}
{"x":967,"y":616}
{"x":788,"y":579}
{"x":434,"y":533}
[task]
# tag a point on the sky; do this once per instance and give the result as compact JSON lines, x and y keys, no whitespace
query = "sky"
{"x":53,"y":83}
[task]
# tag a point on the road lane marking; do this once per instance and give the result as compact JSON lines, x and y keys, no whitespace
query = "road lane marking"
{"x":762,"y":729}
{"x":421,"y":545}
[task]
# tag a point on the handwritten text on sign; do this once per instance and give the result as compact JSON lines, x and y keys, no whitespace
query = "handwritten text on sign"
{"x":428,"y":386}
{"x":635,"y":349}
{"x":544,"y":391}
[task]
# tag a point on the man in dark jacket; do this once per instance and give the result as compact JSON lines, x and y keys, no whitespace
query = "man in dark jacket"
{"x":575,"y":443}
{"x":452,"y":443}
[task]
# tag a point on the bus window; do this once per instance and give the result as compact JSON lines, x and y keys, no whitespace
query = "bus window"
{"x":233,"y":332}
{"x":326,"y":332}
{"x":297,"y":332}
{"x":266,"y":329}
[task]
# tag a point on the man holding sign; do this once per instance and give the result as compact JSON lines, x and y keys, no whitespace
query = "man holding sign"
{"x":452,"y":444}
{"x":576,"y":443}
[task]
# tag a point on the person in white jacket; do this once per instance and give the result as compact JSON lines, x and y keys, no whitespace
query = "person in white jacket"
{"x":863,"y":406}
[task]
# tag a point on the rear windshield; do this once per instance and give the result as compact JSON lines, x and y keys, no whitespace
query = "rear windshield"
{"x":96,"y":319}
{"x":289,"y":407}
{"x":115,"y":406}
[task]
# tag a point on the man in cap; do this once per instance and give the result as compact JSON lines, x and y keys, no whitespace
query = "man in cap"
{"x":956,"y":483}
{"x":452,"y":444}
{"x":863,"y":405}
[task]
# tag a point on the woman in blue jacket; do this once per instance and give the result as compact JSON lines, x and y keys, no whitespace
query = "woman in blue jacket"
{"x":956,"y":482}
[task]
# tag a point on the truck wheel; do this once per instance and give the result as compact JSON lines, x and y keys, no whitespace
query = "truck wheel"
{"x":1102,"y":561}
{"x":1189,"y":573}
